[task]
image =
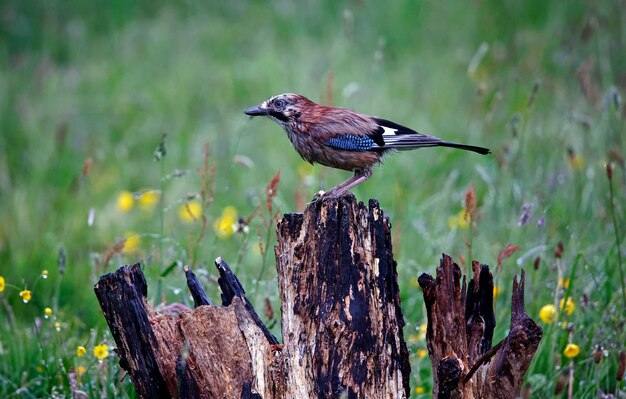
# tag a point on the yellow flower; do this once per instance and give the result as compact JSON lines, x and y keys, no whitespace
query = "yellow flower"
{"x":44,"y":273}
{"x":422,"y":330}
{"x":564,"y":283}
{"x":57,"y":326}
{"x":225,"y":225}
{"x":571,"y":350}
{"x":125,"y":201}
{"x":1,"y":284}
{"x":26,"y":295}
{"x":132,"y":242}
{"x":421,"y":353}
{"x":576,"y":162}
{"x":414,"y":282}
{"x":568,"y":306}
{"x":459,"y":221}
{"x":101,"y":351}
{"x":47,"y":312}
{"x":419,"y":390}
{"x":80,"y":370}
{"x":148,"y":200}
{"x":190,"y":211}
{"x":547,"y":314}
{"x":80,"y":351}
{"x":496,"y":291}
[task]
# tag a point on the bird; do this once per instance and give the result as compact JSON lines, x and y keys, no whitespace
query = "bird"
{"x":343,"y":139}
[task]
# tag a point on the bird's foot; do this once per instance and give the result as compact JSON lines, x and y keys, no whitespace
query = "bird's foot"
{"x":316,"y":197}
{"x":333,"y":193}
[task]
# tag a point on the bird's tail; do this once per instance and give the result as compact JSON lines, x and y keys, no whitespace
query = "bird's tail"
{"x":480,"y":150}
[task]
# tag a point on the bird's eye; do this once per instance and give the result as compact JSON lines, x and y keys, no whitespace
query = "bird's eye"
{"x":280,"y":103}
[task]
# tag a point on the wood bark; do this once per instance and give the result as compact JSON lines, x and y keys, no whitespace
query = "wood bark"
{"x":341,"y":317}
{"x":342,"y":323}
{"x":460,"y":331}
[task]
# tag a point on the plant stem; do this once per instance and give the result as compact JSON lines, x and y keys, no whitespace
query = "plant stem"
{"x":570,"y":382}
{"x":559,"y":277}
{"x":597,"y":378}
{"x":162,"y":209}
{"x":618,"y":242}
{"x":470,"y":272}
{"x":263,"y":264}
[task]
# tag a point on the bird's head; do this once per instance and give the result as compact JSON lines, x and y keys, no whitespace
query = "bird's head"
{"x":283,"y":108}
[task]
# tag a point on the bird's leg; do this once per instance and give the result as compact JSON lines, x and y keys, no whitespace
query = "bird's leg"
{"x":359,"y":177}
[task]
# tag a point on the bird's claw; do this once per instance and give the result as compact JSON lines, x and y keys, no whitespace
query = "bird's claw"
{"x":327,"y":195}
{"x":317,"y":196}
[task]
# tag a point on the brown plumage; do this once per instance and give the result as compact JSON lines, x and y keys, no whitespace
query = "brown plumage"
{"x":341,"y":138}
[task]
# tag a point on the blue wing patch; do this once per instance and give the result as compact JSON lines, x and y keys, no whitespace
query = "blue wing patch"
{"x":352,"y":142}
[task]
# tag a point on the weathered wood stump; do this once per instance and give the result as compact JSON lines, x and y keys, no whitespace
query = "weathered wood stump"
{"x":341,"y":324}
{"x":202,"y":353}
{"x":460,"y":331}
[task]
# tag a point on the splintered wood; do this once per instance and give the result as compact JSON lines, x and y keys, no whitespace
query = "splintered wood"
{"x":460,"y":331}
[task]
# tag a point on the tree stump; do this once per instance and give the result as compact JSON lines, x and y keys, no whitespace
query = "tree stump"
{"x":341,"y":317}
{"x":460,"y":331}
{"x":341,"y":325}
{"x":204,"y":353}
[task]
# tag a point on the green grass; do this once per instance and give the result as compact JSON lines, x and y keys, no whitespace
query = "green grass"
{"x":99,"y":83}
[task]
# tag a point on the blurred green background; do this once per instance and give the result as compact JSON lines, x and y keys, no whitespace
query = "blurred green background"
{"x":88,"y":89}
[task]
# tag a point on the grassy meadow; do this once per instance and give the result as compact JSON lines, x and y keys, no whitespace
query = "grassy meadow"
{"x":122,"y":140}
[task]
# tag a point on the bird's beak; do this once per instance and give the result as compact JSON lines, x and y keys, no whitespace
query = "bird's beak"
{"x":256,"y":111}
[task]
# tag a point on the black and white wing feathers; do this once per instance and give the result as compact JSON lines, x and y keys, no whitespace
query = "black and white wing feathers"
{"x":389,"y":135}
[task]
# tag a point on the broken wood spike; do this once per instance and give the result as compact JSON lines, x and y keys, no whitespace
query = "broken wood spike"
{"x":197,"y":292}
{"x":459,"y":336}
{"x":232,"y":288}
{"x":122,"y":297}
{"x":229,"y":283}
{"x":479,"y":314}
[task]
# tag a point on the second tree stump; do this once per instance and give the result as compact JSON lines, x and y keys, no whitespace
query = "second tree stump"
{"x":460,"y":332}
